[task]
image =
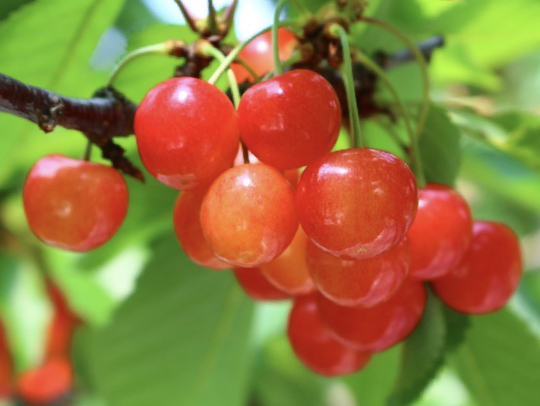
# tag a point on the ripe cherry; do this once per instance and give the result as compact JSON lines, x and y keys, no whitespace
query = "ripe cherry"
{"x":72,"y":204}
{"x":290,"y":120}
{"x":6,"y":367}
{"x":315,"y":346}
{"x":289,"y":271}
{"x":488,"y":274}
{"x":248,"y":215}
{"x":62,"y":327}
{"x":359,"y":282}
{"x":357,"y":203}
{"x":187,"y":225}
{"x":379,"y":327}
{"x":440,"y":232}
{"x":257,"y":286}
{"x":47,"y":383}
{"x":187,"y":132}
{"x":259,"y":56}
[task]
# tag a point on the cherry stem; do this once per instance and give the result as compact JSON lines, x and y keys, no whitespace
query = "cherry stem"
{"x":164,"y":48}
{"x":422,"y":64}
{"x":278,"y":68}
{"x":233,"y":55}
{"x":208,"y":49}
{"x":245,"y":152}
{"x":415,"y":150}
{"x":87,"y":155}
{"x":357,"y":137}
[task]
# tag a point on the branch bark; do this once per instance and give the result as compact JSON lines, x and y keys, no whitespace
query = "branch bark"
{"x":106,"y":115}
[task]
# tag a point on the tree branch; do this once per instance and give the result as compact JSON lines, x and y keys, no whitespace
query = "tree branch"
{"x":106,"y":115}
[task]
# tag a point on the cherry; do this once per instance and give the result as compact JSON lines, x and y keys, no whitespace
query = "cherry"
{"x":488,"y":273}
{"x":72,"y":204}
{"x":440,"y":232}
{"x":356,"y":203}
{"x":257,"y":286}
{"x":360,"y":282}
{"x":6,"y":367}
{"x":289,"y":271}
{"x":248,"y":216}
{"x":62,"y":326}
{"x":187,"y":225}
{"x":290,"y":120}
{"x":46,"y":383}
{"x":259,"y":56}
{"x":187,"y":132}
{"x":379,"y":327}
{"x":314,"y":345}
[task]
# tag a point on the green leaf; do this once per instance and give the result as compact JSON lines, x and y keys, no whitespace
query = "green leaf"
{"x":440,"y":147}
{"x":440,"y":331}
{"x":500,"y":360}
{"x":423,"y":355}
{"x":372,"y":385}
{"x":280,"y":379}
{"x":181,"y":338}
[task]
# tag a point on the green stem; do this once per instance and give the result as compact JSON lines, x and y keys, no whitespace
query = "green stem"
{"x":87,"y":155}
{"x":234,"y":53}
{"x":416,"y":159}
{"x":422,"y":64}
{"x":208,"y":49}
{"x":278,"y":69}
{"x":338,"y":31}
{"x":158,"y":49}
{"x":250,"y":70}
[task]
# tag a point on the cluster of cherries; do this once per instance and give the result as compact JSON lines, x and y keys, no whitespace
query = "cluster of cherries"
{"x":52,"y":381}
{"x":352,"y":239}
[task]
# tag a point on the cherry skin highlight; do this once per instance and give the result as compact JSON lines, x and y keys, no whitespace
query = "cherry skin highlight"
{"x":248,"y":215}
{"x":440,"y":232}
{"x":290,"y":120}
{"x":488,"y":274}
{"x":314,"y":345}
{"x":187,"y":226}
{"x":289,"y":271}
{"x":259,"y":56}
{"x":256,"y":286}
{"x":357,"y":203}
{"x":360,"y":282}
{"x":379,"y":327}
{"x":73,"y":204}
{"x":187,"y":132}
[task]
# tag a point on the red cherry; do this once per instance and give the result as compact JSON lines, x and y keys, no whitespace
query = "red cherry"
{"x":488,"y":274}
{"x":357,"y":203}
{"x":62,"y":326}
{"x":360,"y":282}
{"x":6,"y":367}
{"x":440,"y":232}
{"x":314,"y":345}
{"x":256,"y":286}
{"x":187,"y":225}
{"x":379,"y":327}
{"x":47,"y":383}
{"x":186,"y":132}
{"x":258,"y":54}
{"x":248,"y":215}
{"x":72,"y":204}
{"x":290,"y":120}
{"x":289,"y":272}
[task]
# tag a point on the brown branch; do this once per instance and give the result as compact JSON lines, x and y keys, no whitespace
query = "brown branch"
{"x":106,"y":115}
